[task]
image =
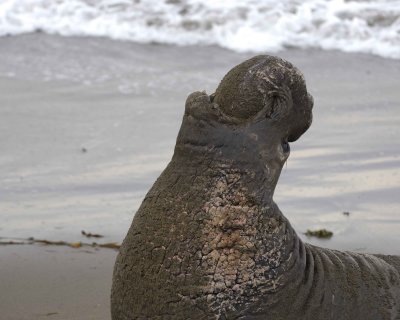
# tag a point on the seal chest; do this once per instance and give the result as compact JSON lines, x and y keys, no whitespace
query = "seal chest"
{"x":238,"y":253}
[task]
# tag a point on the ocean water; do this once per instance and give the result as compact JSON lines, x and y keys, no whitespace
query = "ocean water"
{"x":248,"y":25}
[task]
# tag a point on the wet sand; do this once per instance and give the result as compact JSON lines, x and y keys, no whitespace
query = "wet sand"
{"x":41,"y":282}
{"x":87,"y":125}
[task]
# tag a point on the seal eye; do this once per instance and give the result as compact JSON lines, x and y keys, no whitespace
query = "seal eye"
{"x":285,"y":147}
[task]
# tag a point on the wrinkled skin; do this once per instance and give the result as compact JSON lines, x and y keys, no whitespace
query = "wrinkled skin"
{"x":208,"y":242}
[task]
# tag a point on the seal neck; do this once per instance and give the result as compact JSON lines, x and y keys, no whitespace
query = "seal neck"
{"x":256,"y":177}
{"x":239,"y":221}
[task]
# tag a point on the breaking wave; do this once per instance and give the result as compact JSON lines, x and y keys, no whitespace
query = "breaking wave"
{"x":246,"y":25}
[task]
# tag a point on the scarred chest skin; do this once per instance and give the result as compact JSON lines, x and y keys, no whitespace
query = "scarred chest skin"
{"x":217,"y":255}
{"x":208,"y":241}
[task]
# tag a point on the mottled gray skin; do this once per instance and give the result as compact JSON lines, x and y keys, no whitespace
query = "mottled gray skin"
{"x":208,"y":242}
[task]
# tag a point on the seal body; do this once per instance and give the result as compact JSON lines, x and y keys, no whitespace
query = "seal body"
{"x":208,"y":242}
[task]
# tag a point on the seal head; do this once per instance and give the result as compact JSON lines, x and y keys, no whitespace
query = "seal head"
{"x":259,"y":106}
{"x":270,"y":86}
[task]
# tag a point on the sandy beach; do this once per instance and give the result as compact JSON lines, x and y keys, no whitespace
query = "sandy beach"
{"x":55,"y":283}
{"x":87,"y":125}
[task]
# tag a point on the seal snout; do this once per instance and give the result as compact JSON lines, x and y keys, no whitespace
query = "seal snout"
{"x":302,"y":119}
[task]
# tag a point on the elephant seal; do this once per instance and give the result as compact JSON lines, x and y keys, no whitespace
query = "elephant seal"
{"x":208,"y":241}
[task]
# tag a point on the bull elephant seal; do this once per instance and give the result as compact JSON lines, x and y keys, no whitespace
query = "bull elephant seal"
{"x":208,"y":242}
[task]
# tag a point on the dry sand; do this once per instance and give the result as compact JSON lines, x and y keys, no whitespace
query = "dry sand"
{"x":87,"y":124}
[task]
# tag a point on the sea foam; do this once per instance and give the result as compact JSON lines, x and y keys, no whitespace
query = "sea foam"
{"x":246,"y":25}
